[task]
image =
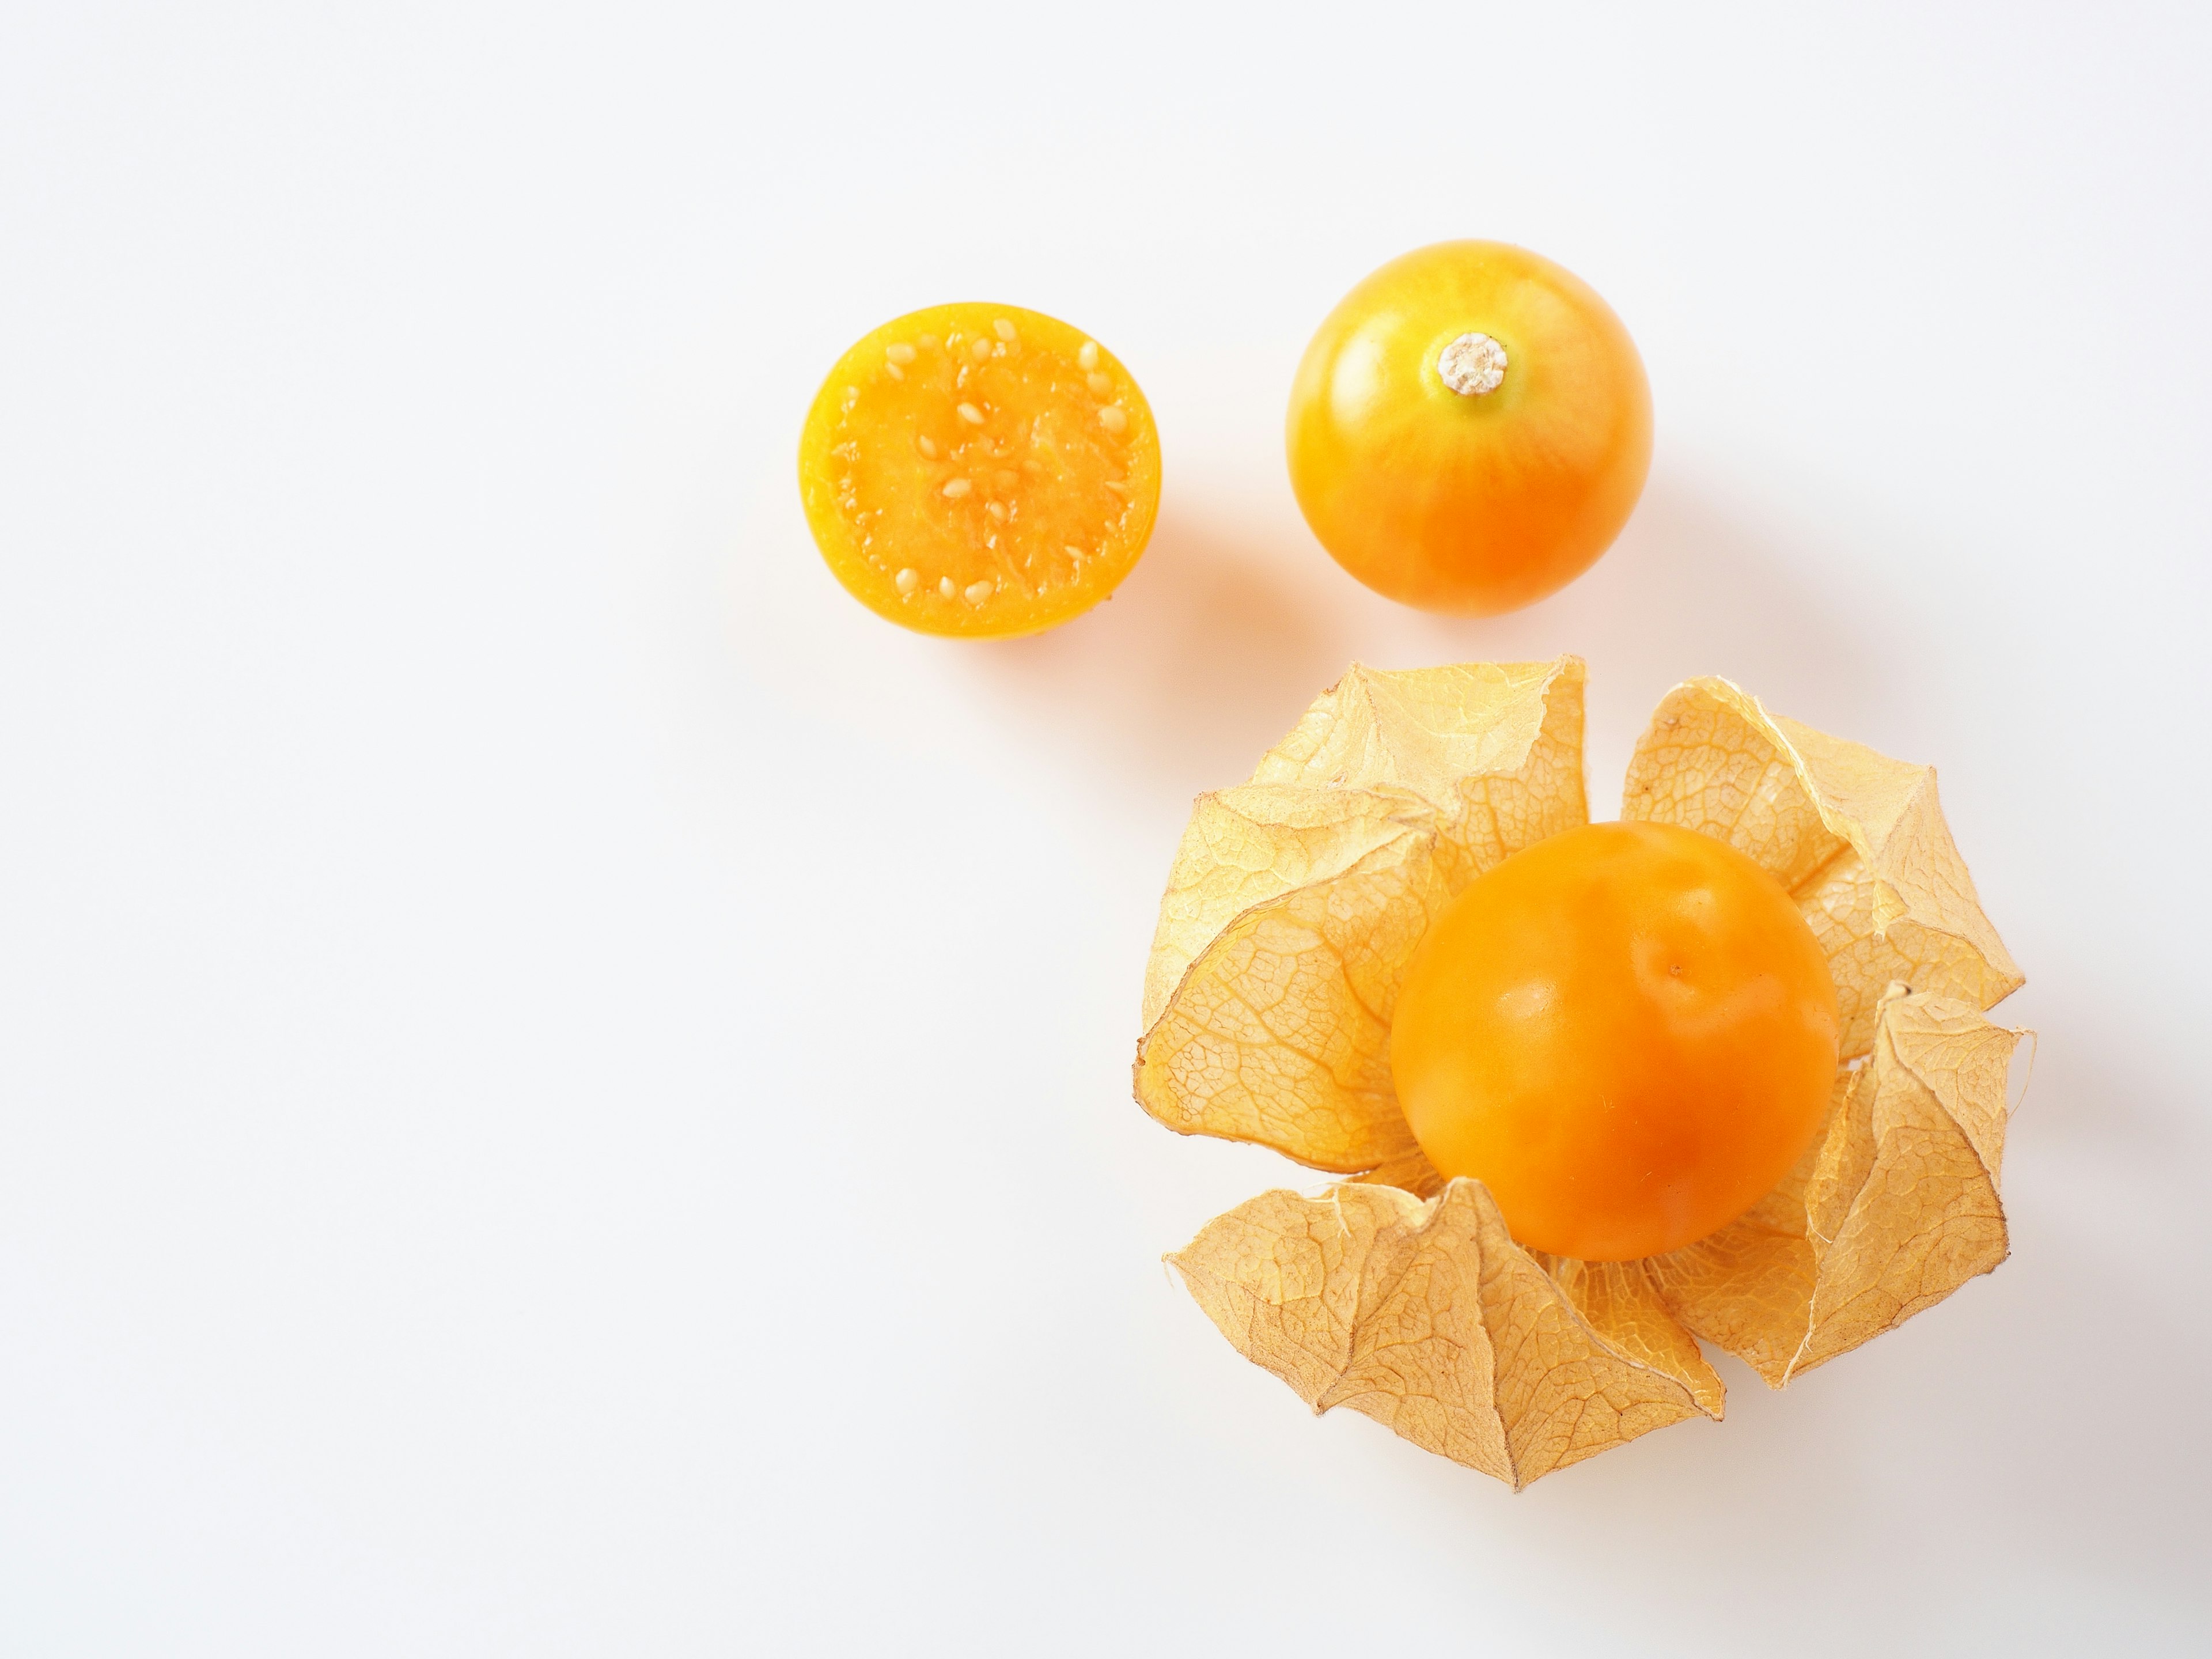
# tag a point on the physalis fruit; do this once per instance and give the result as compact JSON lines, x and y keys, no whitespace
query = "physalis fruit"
{"x":1469,"y":428}
{"x":980,"y":471}
{"x":1526,"y":1048}
{"x":1627,"y":1032}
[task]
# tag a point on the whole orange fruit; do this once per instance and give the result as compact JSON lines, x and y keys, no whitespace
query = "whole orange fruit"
{"x":1628,"y":1032}
{"x":1470,"y":428}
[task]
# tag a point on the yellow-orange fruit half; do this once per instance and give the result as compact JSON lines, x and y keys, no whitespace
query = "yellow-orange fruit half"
{"x":1628,"y":1032}
{"x":979,"y":470}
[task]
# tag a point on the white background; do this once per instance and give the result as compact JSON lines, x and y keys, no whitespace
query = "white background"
{"x":563,"y":1088}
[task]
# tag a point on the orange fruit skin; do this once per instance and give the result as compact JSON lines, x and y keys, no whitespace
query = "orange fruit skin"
{"x":1469,"y":504}
{"x":1054,"y":465}
{"x":1628,"y":1032}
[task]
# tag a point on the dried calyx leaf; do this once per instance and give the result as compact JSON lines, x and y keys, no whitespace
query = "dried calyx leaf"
{"x":1858,"y":838}
{"x":1894,"y":1208}
{"x":1426,"y":1316}
{"x":1494,"y":750}
{"x":1295,"y":904}
{"x":1296,"y":900}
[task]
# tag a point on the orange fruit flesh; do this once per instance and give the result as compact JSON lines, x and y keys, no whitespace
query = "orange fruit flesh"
{"x":1628,"y":1032}
{"x":980,"y":470}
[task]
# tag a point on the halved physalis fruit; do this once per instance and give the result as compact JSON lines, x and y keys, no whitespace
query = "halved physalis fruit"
{"x":980,"y":471}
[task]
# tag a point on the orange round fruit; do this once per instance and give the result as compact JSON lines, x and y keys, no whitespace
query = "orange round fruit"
{"x":1469,"y":428}
{"x":979,"y":470}
{"x":1628,"y":1032}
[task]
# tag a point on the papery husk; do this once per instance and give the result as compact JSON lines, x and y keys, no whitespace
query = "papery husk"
{"x":1297,"y":901}
{"x":1857,"y":839}
{"x":1895,"y":1206}
{"x":1425,"y":1315}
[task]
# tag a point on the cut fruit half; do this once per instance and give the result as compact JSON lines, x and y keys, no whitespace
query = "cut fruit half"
{"x":980,"y":471}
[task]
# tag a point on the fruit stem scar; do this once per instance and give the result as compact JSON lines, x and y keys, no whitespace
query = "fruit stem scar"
{"x":1472,"y":365}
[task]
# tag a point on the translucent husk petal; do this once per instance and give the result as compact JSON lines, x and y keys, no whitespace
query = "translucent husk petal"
{"x":1858,"y":839}
{"x":1425,"y":1315}
{"x":1494,"y":750}
{"x":1894,"y":1208}
{"x":1294,"y":904}
{"x":1296,"y":900}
